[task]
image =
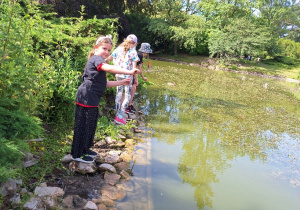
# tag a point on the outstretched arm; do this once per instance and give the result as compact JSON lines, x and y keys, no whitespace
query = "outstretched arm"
{"x":118,"y":83}
{"x":140,"y":67}
{"x":118,"y":70}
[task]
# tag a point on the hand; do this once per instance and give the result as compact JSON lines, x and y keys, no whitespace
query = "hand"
{"x":136,"y":71}
{"x":126,"y":81}
{"x":145,"y":79}
{"x":136,"y":83}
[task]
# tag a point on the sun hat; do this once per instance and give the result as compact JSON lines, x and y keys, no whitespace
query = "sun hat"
{"x":132,"y":37}
{"x":145,"y":48}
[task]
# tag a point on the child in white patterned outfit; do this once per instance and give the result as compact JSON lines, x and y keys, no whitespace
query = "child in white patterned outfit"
{"x":124,"y":56}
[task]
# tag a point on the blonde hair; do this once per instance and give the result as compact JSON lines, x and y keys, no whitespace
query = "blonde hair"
{"x":100,"y":40}
{"x":126,"y":43}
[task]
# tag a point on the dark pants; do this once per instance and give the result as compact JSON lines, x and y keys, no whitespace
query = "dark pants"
{"x":84,"y":130}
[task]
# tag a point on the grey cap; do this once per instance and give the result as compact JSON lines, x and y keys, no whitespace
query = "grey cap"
{"x":145,"y":48}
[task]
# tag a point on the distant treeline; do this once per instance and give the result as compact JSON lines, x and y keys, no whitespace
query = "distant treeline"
{"x":207,"y":27}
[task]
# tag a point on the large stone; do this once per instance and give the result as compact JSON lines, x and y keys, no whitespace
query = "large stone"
{"x":112,"y":192}
{"x":9,"y":187}
{"x":118,"y":144}
{"x":15,"y":200}
{"x":122,"y":166}
{"x":126,"y":156}
{"x":125,"y":175}
{"x":111,"y":178}
{"x":112,"y":159}
{"x":67,"y":158}
{"x":100,"y":143}
{"x":104,"y":200}
{"x":33,"y":204}
{"x":101,"y":206}
{"x":83,"y":168}
{"x":53,"y":192}
{"x":90,"y":206}
{"x":74,"y":202}
{"x":109,"y":140}
{"x":107,"y":167}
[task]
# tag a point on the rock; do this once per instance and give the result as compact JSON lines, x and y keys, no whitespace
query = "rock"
{"x":67,"y":158}
{"x":49,"y":195}
{"x":109,"y":140}
{"x":112,"y":192}
{"x":107,"y":167}
{"x":131,"y":116}
{"x":122,"y":166}
{"x":9,"y":187}
{"x":101,"y":206}
{"x":74,"y":202}
{"x":100,"y":143}
{"x":29,"y":163}
{"x":49,"y":191}
{"x":15,"y":200}
{"x":29,"y":160}
{"x":126,"y":186}
{"x":33,"y":204}
{"x":118,"y":144}
{"x":83,"y":168}
{"x":121,"y":137}
{"x":125,"y":175}
{"x":100,"y":159}
{"x":126,"y":156}
{"x":112,"y":159}
{"x":90,"y":206}
{"x":104,"y":200}
{"x":23,"y":191}
{"x":19,"y":182}
{"x":137,"y":130}
{"x":111,"y":178}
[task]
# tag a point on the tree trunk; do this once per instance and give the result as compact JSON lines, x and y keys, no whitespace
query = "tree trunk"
{"x":175,"y":47}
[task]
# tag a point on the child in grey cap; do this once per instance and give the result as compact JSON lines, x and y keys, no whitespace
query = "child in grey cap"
{"x":142,"y":52}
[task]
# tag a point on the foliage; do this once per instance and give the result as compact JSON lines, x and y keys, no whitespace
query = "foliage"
{"x":238,"y":39}
{"x":10,"y":160}
{"x":191,"y":35}
{"x":290,"y":47}
{"x":17,"y":124}
{"x":41,"y":60}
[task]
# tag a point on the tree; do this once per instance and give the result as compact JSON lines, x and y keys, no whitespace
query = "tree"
{"x":175,"y":21}
{"x":239,"y":38}
{"x":282,"y":16}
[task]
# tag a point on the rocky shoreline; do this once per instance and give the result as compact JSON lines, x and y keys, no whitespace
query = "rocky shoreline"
{"x":98,"y":185}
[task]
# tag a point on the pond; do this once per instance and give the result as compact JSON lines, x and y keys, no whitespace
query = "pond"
{"x":217,"y":140}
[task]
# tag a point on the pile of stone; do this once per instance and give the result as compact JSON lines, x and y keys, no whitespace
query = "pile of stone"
{"x":112,"y":162}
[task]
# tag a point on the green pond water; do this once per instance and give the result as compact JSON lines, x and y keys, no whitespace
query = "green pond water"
{"x":217,"y":140}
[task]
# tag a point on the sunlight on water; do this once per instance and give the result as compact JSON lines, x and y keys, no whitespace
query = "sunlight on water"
{"x":221,"y":140}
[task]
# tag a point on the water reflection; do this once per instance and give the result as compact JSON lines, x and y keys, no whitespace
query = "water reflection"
{"x":218,"y":117}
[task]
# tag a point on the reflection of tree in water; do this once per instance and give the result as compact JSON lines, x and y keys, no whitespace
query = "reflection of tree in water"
{"x":200,"y":162}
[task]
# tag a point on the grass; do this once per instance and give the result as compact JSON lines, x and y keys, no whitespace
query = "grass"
{"x":274,"y":67}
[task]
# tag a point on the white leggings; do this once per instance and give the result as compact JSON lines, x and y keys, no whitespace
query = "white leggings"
{"x":122,"y":106}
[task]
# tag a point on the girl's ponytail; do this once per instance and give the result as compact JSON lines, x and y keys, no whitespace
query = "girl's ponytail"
{"x":91,"y":53}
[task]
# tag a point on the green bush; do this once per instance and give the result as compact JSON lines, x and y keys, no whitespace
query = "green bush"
{"x":285,"y":60}
{"x":10,"y":160}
